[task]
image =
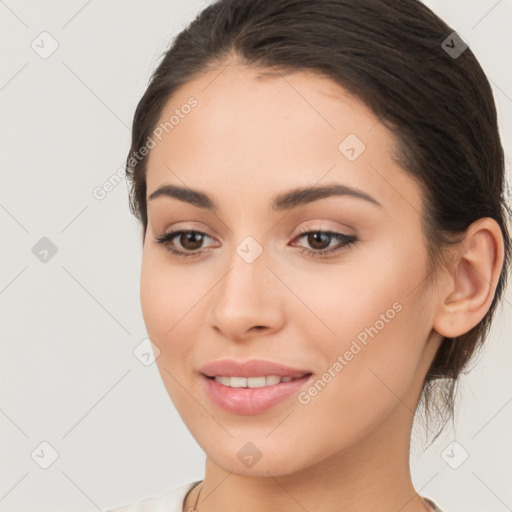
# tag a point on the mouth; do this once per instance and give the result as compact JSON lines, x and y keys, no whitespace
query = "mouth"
{"x":253,"y":382}
{"x":253,"y":368}
{"x":251,"y":387}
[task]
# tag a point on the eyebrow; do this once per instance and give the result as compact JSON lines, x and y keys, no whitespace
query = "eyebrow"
{"x":283,"y":201}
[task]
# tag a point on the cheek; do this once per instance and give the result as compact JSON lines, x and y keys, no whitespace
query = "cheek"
{"x":165,"y":299}
{"x":173,"y":299}
{"x":168,"y":295}
{"x":371,"y":379}
{"x":369,"y":373}
{"x":363,"y":292}
{"x":380,"y":318}
{"x":154,"y":304}
{"x":382,"y":349}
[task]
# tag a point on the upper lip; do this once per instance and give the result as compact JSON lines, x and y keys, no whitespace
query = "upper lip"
{"x":251,"y":368}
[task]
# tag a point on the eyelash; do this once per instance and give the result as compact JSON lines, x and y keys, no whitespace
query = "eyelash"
{"x":347,"y":242}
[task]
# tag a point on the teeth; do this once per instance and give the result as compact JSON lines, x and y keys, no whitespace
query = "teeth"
{"x":251,"y":382}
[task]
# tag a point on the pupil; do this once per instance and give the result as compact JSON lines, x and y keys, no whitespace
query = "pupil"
{"x":316,"y":238}
{"x":194,"y":238}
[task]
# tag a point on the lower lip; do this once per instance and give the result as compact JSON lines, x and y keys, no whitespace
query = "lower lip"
{"x":251,"y":400}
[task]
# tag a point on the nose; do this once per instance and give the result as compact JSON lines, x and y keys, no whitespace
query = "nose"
{"x":247,"y":301}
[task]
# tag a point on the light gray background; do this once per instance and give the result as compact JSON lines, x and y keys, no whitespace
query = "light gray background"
{"x":69,"y":326}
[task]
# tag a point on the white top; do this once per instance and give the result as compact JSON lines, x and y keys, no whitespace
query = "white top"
{"x":172,"y":501}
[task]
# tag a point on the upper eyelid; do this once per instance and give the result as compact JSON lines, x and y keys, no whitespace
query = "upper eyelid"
{"x":346,"y":230}
{"x":300,"y":234}
{"x":187,"y":230}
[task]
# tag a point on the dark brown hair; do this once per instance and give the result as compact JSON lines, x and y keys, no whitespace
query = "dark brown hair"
{"x":391,"y":55}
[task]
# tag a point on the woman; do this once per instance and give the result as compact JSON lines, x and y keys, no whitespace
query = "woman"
{"x":320,"y":187}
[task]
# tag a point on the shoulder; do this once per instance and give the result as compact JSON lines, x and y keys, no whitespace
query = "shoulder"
{"x":171,"y":501}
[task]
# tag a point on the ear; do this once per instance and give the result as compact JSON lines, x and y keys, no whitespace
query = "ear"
{"x":470,"y":284}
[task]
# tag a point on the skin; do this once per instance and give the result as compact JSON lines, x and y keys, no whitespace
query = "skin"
{"x":248,"y":139}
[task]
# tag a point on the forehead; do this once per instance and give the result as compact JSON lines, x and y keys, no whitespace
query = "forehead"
{"x":268,"y":133}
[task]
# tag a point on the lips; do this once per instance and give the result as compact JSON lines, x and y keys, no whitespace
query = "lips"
{"x":251,"y":387}
{"x":249,"y":401}
{"x":252,"y":368}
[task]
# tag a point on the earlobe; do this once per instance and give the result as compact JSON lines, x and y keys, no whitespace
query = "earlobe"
{"x":469,"y":289}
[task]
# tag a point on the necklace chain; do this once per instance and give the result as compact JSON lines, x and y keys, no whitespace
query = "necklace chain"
{"x":194,"y":508}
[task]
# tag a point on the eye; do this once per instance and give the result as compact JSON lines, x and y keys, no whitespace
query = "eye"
{"x":321,"y":240}
{"x":192,"y":242}
{"x":189,"y":239}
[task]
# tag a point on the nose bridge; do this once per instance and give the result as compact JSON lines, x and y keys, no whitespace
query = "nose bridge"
{"x":245,"y":297}
{"x":247,"y":272}
{"x":249,"y":250}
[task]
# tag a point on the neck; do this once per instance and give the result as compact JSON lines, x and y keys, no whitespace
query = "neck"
{"x":373,"y":475}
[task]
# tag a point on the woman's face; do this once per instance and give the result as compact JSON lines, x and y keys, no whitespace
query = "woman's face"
{"x":349,"y":315}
